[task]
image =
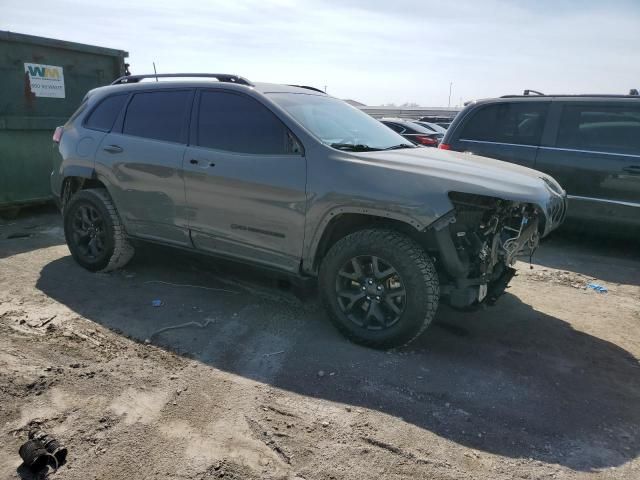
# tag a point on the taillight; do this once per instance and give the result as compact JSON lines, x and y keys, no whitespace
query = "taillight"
{"x":424,"y":140}
{"x":444,"y":146}
{"x":57,"y":134}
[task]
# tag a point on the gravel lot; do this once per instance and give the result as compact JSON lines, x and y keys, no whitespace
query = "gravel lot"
{"x":235,"y":377}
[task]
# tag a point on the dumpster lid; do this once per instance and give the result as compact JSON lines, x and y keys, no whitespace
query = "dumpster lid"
{"x":63,"y":44}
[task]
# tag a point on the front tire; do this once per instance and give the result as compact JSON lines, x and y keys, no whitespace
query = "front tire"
{"x":380,"y":288}
{"x":94,"y":232}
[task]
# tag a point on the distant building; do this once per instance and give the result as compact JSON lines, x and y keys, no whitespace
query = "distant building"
{"x":354,"y":103}
{"x":438,"y":114}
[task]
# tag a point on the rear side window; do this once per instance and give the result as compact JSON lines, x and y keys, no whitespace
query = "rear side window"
{"x":104,"y":115}
{"x":395,"y":127}
{"x":600,"y":128}
{"x":158,"y":115}
{"x":237,"y":123}
{"x":519,"y":123}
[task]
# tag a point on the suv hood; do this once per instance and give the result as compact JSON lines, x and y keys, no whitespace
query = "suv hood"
{"x":464,"y":172}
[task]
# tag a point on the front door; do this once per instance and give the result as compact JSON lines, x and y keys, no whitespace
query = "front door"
{"x":509,"y":131}
{"x":245,"y":180}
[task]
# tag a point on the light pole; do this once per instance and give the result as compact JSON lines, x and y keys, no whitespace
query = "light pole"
{"x":450,"y":85}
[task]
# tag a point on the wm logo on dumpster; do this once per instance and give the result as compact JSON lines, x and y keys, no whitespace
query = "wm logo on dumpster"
{"x":44,"y":72}
{"x":44,"y":80}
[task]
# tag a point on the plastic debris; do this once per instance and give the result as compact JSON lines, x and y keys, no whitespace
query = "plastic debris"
{"x":156,"y":303}
{"x":597,"y":287}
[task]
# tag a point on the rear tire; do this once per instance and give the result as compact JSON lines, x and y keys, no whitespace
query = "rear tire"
{"x":94,"y":232}
{"x":380,"y":288}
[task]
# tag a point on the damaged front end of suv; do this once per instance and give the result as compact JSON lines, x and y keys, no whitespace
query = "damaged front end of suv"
{"x":477,"y":244}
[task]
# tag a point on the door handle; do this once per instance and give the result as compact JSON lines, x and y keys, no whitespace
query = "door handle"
{"x":633,"y":169}
{"x":204,"y":164}
{"x":113,"y":149}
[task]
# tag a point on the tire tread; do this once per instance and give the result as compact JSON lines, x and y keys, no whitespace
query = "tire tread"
{"x":123,"y":250}
{"x":412,"y":250}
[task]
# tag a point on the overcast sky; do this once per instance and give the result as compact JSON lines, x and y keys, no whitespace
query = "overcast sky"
{"x":374,"y":51}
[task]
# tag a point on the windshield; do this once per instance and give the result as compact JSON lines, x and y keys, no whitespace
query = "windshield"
{"x":338,"y":124}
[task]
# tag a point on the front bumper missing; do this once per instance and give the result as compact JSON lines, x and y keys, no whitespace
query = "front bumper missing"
{"x":470,"y":295}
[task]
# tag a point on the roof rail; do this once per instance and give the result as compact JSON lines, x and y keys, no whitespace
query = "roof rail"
{"x":576,"y":95}
{"x":221,"y":77}
{"x":529,"y":92}
{"x":309,"y":88}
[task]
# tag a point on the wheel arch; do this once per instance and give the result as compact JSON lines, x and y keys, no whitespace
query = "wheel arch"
{"x":341,"y":222}
{"x":76,"y":179}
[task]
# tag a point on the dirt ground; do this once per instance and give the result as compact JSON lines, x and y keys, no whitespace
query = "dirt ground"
{"x":233,"y":376}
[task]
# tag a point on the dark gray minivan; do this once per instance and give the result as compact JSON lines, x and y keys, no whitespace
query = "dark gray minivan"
{"x":589,"y":144}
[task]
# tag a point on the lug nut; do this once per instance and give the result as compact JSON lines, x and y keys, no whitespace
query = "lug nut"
{"x":370,"y":282}
{"x":378,"y":298}
{"x":379,"y":287}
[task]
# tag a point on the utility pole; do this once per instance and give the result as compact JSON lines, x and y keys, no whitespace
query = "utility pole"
{"x":450,"y":85}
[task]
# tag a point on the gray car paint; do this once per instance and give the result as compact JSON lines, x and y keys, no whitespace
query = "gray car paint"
{"x":409,"y":185}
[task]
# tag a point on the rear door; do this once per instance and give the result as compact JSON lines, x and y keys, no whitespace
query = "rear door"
{"x":595,"y":155}
{"x":509,"y":131}
{"x":245,"y":178}
{"x":141,"y":160}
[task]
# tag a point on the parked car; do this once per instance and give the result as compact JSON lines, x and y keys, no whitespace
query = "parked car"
{"x":588,"y":143}
{"x":416,"y":134}
{"x":432,"y":126}
{"x":444,"y":122}
{"x":297,"y":181}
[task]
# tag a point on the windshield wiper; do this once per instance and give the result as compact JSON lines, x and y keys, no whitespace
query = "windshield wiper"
{"x":399,"y":146}
{"x":353,"y":147}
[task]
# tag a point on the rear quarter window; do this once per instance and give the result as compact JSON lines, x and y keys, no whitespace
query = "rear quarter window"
{"x":104,"y":115}
{"x":606,"y":128}
{"x":519,"y":123}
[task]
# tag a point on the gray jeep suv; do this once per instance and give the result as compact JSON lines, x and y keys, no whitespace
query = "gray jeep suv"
{"x":292,"y":179}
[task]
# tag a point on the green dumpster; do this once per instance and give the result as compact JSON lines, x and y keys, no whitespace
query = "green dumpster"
{"x":42,"y":82}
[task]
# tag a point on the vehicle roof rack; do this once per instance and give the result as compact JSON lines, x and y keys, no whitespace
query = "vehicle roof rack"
{"x":221,"y":77}
{"x":309,"y":88}
{"x":577,"y":95}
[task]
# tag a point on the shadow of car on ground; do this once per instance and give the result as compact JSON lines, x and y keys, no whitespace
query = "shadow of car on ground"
{"x":608,"y":257}
{"x":34,"y":228}
{"x":508,"y":380}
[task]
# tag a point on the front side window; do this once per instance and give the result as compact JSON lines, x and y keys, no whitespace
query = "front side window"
{"x":600,"y":128}
{"x":238,"y":123}
{"x":519,"y":123}
{"x":337,"y":123}
{"x":158,"y":115}
{"x":104,"y":115}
